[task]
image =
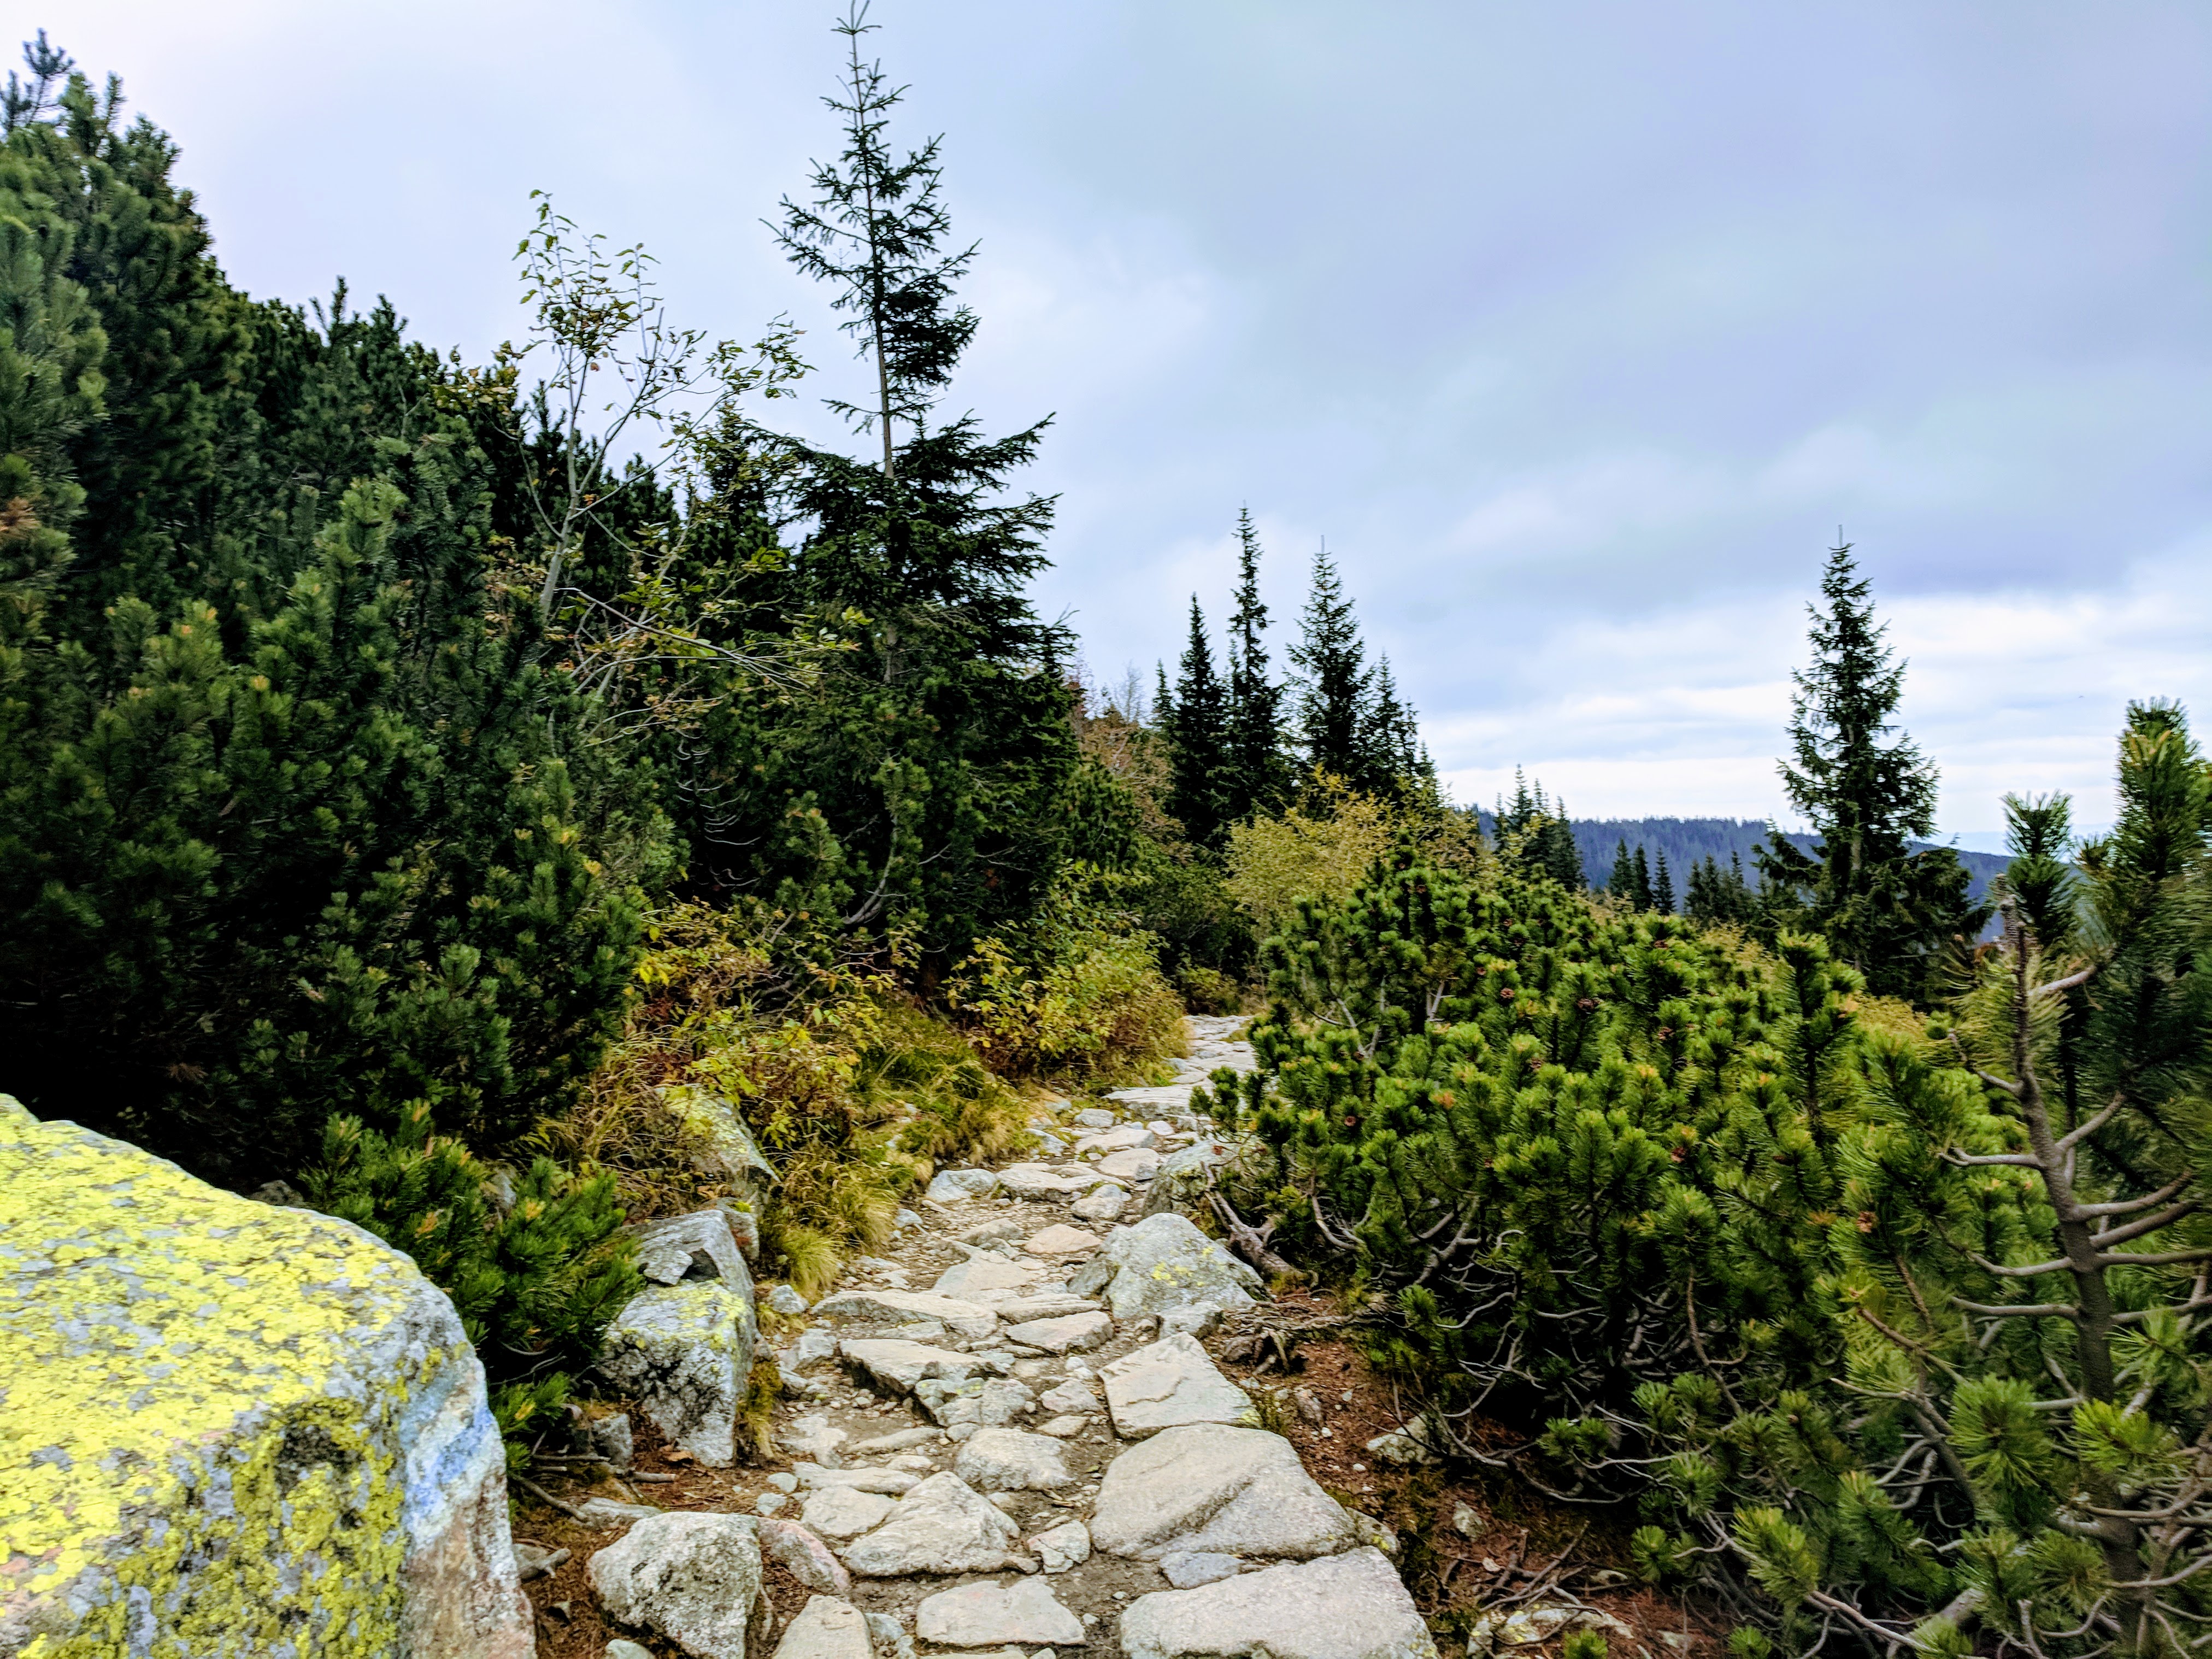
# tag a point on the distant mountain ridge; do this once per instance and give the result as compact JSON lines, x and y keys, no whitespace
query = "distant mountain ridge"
{"x":1687,"y":842}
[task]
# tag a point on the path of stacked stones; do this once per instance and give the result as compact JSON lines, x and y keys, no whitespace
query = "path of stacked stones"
{"x":1007,"y":1439}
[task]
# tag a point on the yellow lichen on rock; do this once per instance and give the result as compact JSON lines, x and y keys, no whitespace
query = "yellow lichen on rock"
{"x":227,"y":1426}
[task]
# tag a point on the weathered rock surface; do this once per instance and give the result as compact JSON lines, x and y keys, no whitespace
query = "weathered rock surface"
{"x":1041,"y":1305}
{"x":225,"y":1426}
{"x":958,"y":1186}
{"x":805,"y":1557}
{"x":1119,"y":1139}
{"x":1104,"y":1205}
{"x":1038,"y":1181}
{"x":1168,"y":1384}
{"x":730,"y":1152}
{"x":1179,"y":1182}
{"x":696,"y":1246}
{"x":1006,"y":1459}
{"x":981,"y":1402}
{"x":1061,"y":1243}
{"x":896,"y":1367}
{"x":827,"y":1628}
{"x":1067,"y":1544}
{"x":1138,"y":1163}
{"x":1074,"y":1333}
{"x":891,"y":1483}
{"x":684,"y":1353}
{"x":785,"y":1300}
{"x":1164,"y":1262}
{"x":987,"y":1273}
{"x":842,"y":1513}
{"x":1094,"y":1117}
{"x":969,"y":1320}
{"x":942,"y":1526}
{"x":1188,"y":1569}
{"x":982,"y":1615}
{"x":690,"y":1577}
{"x":1346,"y":1606}
{"x":890,"y":1640}
{"x":1075,"y":1395}
{"x":1240,"y":1492}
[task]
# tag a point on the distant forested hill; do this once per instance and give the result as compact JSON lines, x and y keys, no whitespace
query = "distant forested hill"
{"x":1686,"y":842}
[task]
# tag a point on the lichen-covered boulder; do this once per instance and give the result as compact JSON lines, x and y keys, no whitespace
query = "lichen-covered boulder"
{"x":684,"y":1353}
{"x":1164,"y":1263}
{"x":679,"y":1248}
{"x":227,"y":1427}
{"x":727,"y":1149}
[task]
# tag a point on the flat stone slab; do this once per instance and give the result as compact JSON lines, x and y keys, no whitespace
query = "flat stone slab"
{"x":1120,"y":1139}
{"x":1104,"y":1205}
{"x":1167,"y":1097}
{"x":1210,"y":1487}
{"x":968,"y":1320}
{"x":1044,"y":1304}
{"x":896,"y":1367}
{"x":838,"y":1513}
{"x":827,"y":1628}
{"x":891,"y":1483}
{"x":1078,"y":1393}
{"x":1061,"y":1243}
{"x":1094,"y":1117}
{"x":1168,"y":1384}
{"x":1345,"y":1606}
{"x":943,"y":1526}
{"x":1007,"y":1459}
{"x":986,"y":1615}
{"x":1164,"y":1262}
{"x":1188,"y":1569}
{"x":987,"y":1273}
{"x":1138,"y":1163}
{"x":1036,"y":1180}
{"x":1072,"y":1334}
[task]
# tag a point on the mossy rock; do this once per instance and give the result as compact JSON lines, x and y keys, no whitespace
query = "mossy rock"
{"x":228,"y":1427}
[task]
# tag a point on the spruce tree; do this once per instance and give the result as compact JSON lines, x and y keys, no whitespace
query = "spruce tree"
{"x":1888,"y":909}
{"x":1258,"y":777}
{"x":1662,"y":889}
{"x":1197,"y":727}
{"x":927,"y":779}
{"x":1335,"y":686}
{"x":1642,"y":893}
{"x":1622,"y":882}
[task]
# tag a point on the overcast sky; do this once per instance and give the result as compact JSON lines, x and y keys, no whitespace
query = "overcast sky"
{"x":1576,"y":329}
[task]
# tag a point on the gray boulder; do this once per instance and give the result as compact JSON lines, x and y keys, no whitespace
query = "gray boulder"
{"x":1007,"y":1459}
{"x":1346,"y":1606}
{"x":684,"y":1352}
{"x":785,"y":1301}
{"x":1038,"y":1181}
{"x":1240,"y":1492}
{"x":726,"y":1149}
{"x":890,"y":1641}
{"x":1094,"y":1117}
{"x":1117,"y":1140}
{"x":943,"y":1526}
{"x":690,"y":1577}
{"x":827,"y":1628}
{"x":958,"y":1186}
{"x":1164,"y":1262}
{"x":978,"y":1615}
{"x":1179,"y":1182}
{"x":965,"y":1281}
{"x":1104,"y":1205}
{"x":696,"y":1246}
{"x":1168,"y":1384}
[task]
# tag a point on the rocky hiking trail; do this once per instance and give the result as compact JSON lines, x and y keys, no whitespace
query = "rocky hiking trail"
{"x":1006,"y":1437}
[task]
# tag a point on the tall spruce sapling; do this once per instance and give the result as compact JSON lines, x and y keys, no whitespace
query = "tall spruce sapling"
{"x":1641,"y":891}
{"x":938,"y":763}
{"x":1334,"y":685}
{"x":1196,"y":723}
{"x":1662,"y":889}
{"x":1259,"y":778}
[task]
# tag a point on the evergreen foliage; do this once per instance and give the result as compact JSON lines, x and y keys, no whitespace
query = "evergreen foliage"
{"x":1534,"y":836}
{"x":1259,"y":773}
{"x":1889,"y":910}
{"x":1718,"y":895}
{"x":1886,"y":1337}
{"x":1196,"y":721}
